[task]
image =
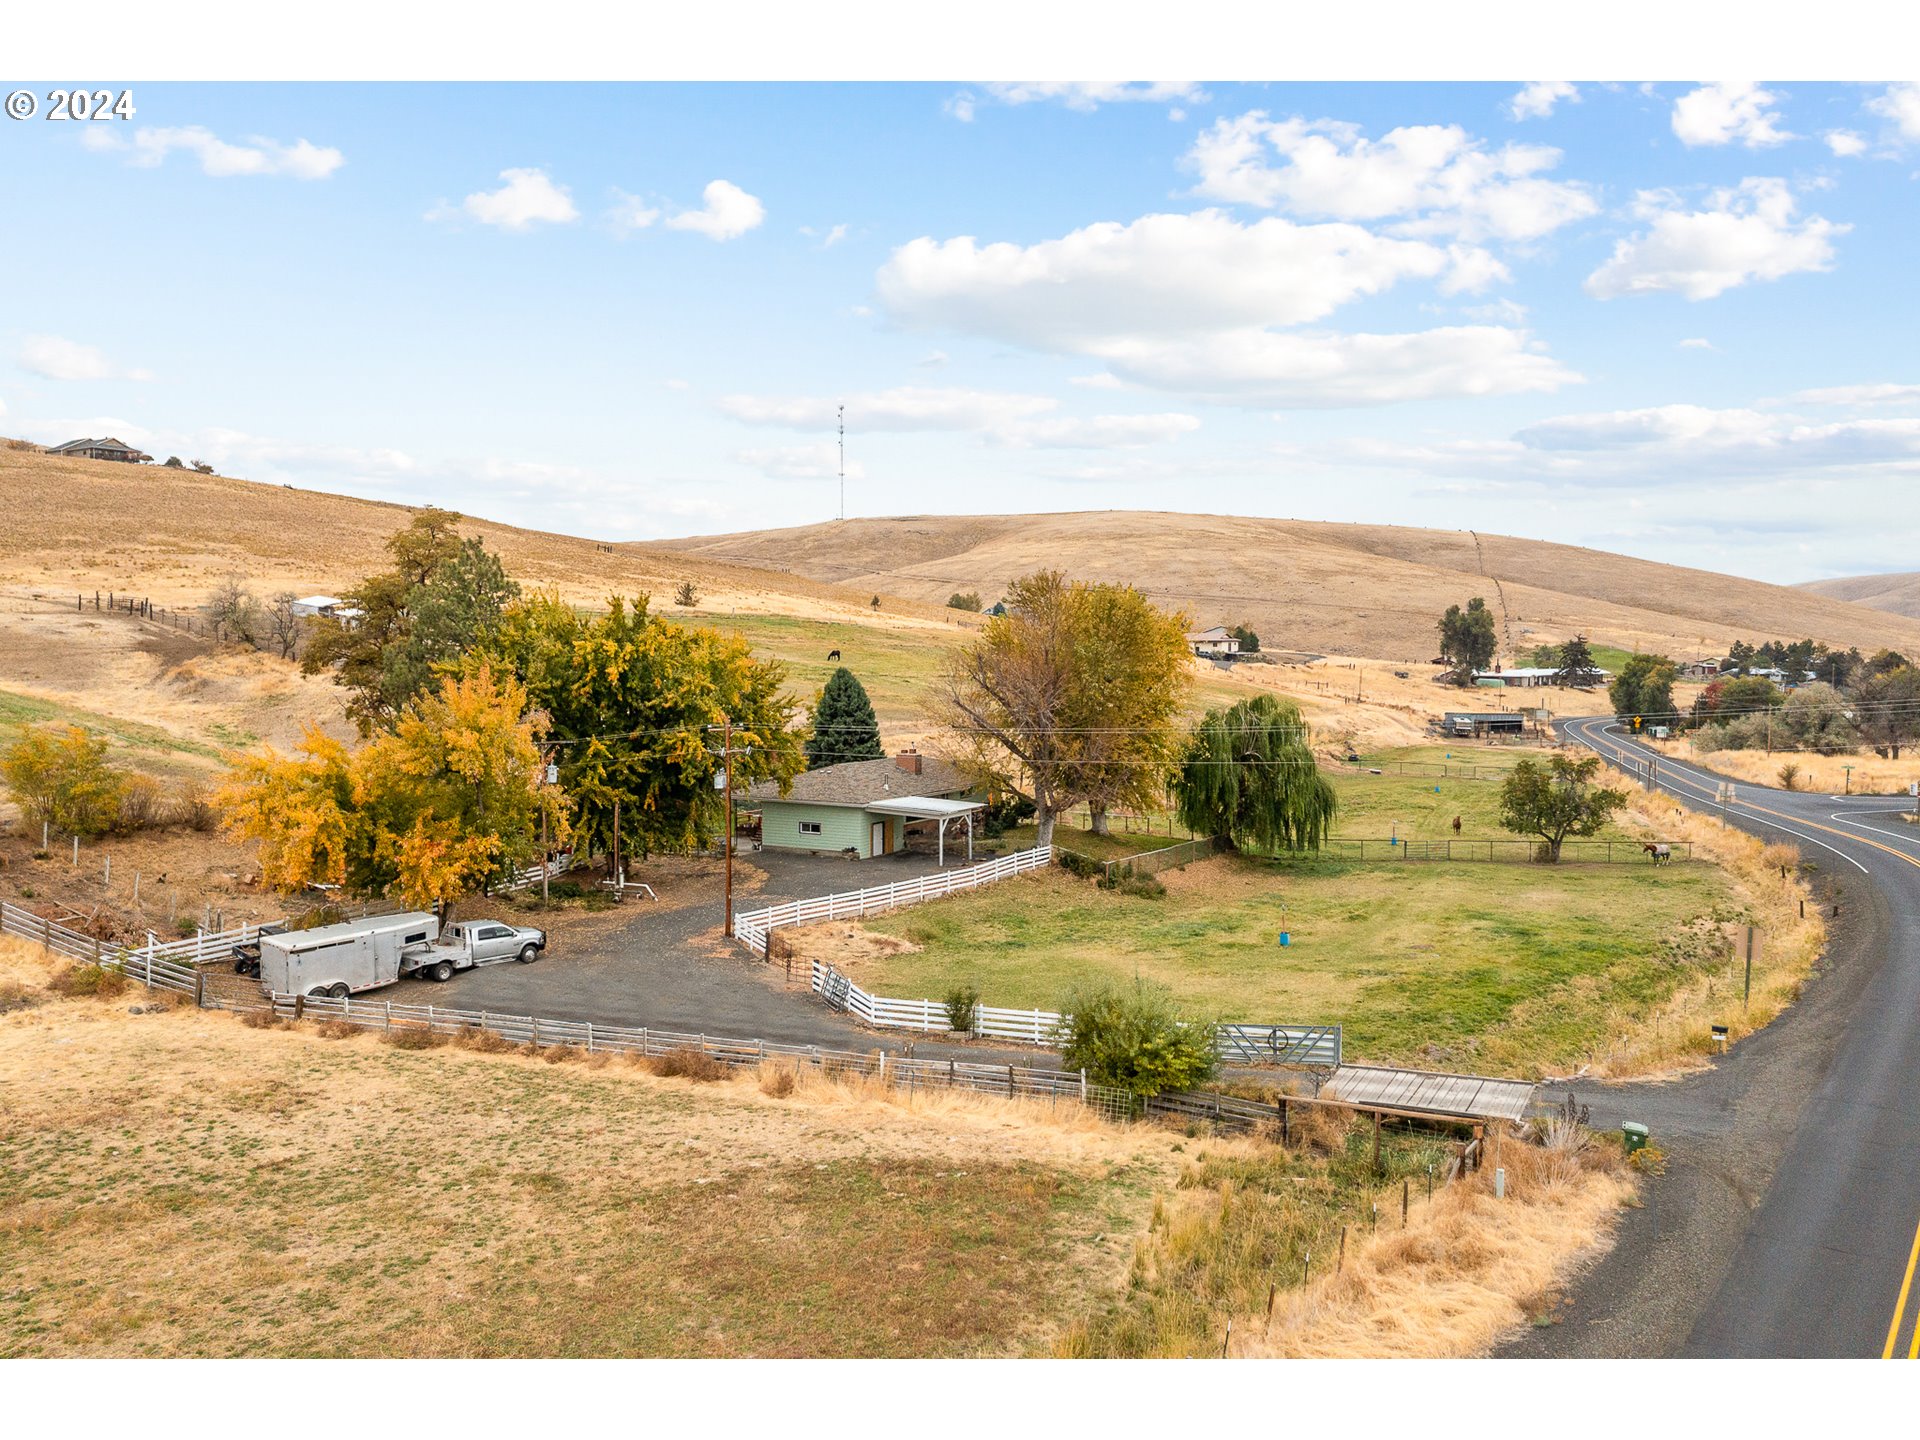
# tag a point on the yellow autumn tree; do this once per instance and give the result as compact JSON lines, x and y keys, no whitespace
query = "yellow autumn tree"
{"x":449,"y":800}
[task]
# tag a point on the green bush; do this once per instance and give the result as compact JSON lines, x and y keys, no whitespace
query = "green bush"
{"x":961,"y":1003}
{"x":88,"y":979}
{"x":1130,"y":1037}
{"x":1123,"y":879}
{"x":1074,"y":863}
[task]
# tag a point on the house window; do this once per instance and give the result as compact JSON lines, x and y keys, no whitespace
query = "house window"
{"x":809,"y":827}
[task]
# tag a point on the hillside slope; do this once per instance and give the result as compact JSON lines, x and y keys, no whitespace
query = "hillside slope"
{"x":1897,"y":594}
{"x":167,"y":535}
{"x":1345,"y":589}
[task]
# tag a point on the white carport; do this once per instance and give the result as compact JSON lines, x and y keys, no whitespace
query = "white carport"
{"x":932,"y":807}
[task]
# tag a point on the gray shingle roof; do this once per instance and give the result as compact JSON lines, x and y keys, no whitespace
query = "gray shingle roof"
{"x":857,"y":782}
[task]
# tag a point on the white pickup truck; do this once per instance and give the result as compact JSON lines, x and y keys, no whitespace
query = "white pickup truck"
{"x":340,"y":960}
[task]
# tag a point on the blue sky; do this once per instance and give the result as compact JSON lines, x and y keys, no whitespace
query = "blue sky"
{"x":1672,"y":320}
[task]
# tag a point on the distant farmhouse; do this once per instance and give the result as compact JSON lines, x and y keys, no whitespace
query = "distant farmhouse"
{"x":108,"y":449}
{"x":1529,"y":677}
{"x":332,"y":605}
{"x":1214,"y":644}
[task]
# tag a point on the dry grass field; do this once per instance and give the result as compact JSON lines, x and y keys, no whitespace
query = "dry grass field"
{"x":178,"y":1182}
{"x":1898,"y":593}
{"x":1351,"y":589}
{"x":1857,"y":773}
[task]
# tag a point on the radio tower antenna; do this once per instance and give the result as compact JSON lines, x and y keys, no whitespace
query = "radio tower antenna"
{"x":843,"y":462}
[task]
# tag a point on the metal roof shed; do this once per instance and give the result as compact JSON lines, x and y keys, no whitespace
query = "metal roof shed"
{"x":932,"y":807}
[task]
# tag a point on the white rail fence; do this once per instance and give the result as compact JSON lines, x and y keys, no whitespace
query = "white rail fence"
{"x":1317,"y":1046}
{"x":753,"y":927}
{"x":531,"y":875}
{"x":163,"y":965}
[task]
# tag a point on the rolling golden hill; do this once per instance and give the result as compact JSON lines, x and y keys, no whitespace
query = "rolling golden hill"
{"x":1897,"y":594}
{"x":1344,"y":589}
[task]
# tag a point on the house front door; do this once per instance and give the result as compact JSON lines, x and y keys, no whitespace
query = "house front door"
{"x":879,"y":846}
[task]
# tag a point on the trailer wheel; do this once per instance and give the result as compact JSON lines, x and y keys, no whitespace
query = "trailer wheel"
{"x":320,"y":992}
{"x":442,"y":972}
{"x":338,"y":990}
{"x":529,"y":954}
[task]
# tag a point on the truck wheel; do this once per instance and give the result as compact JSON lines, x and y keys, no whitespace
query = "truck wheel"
{"x":529,"y":954}
{"x":338,"y":990}
{"x":442,"y":972}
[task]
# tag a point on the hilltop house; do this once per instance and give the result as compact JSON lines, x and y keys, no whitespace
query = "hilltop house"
{"x":864,"y":807}
{"x":331,"y":605}
{"x":1216,"y":643}
{"x":108,"y":449}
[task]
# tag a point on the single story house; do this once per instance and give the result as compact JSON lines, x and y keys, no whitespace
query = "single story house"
{"x":107,"y":449}
{"x":1467,"y":724}
{"x":865,"y":806}
{"x":1529,"y":677}
{"x":1702,"y":669}
{"x":1214,"y":642}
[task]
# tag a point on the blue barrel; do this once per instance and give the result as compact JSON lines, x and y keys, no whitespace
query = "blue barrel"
{"x":1286,"y":937}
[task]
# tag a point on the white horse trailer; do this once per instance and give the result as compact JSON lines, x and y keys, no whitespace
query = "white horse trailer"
{"x":338,"y":960}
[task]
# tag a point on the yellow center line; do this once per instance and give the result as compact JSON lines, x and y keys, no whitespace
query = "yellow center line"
{"x":1900,"y":1308}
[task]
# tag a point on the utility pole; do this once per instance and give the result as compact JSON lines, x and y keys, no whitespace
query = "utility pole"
{"x":843,"y":515}
{"x":727,"y":752}
{"x":549,"y":772}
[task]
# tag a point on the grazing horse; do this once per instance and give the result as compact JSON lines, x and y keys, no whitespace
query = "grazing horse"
{"x":1456,"y":824}
{"x":833,"y":654}
{"x":1662,"y":854}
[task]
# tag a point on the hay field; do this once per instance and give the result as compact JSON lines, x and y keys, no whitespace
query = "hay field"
{"x":181,"y":1184}
{"x":1871,"y":774}
{"x":1352,"y":589}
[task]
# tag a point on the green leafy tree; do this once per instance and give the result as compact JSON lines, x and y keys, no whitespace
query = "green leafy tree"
{"x":1576,"y":667}
{"x":964,"y":600}
{"x":1644,"y":687}
{"x":1249,"y":642}
{"x":1069,"y":695}
{"x":1249,"y":777}
{"x":1888,"y":706}
{"x":439,"y":596}
{"x":636,"y":702}
{"x":1467,"y":639}
{"x":1130,"y":1037}
{"x":61,"y":777}
{"x":1729,"y":698}
{"x":844,"y":727}
{"x":1556,"y":800}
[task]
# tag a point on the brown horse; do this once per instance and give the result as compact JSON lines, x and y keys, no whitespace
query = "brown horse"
{"x":1661,"y":854}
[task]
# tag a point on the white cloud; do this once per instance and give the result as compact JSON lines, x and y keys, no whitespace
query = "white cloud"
{"x":828,"y":238}
{"x":675,"y":383}
{"x":1860,"y":395}
{"x":932,"y":360}
{"x":1899,"y":105}
{"x":1082,"y":95}
{"x":1845,"y":143}
{"x":54,"y":358}
{"x":527,"y":198}
{"x":799,"y":462}
{"x":1535,"y":101}
{"x":1304,"y":370}
{"x":1000,"y":417}
{"x":728,"y":213}
{"x":1100,"y":380}
{"x":1194,"y":303}
{"x":150,"y":145}
{"x":1728,"y":111}
{"x":630,"y":212}
{"x":1746,"y":233}
{"x":1613,"y":429}
{"x":1429,"y":179}
{"x":1697,"y":343}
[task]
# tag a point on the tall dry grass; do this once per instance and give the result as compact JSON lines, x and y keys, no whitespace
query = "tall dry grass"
{"x":1821,"y":774}
{"x":1770,"y":883}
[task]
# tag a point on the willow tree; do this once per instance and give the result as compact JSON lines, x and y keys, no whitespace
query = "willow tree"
{"x":1249,"y":778}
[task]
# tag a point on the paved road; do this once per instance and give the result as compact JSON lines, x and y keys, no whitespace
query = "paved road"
{"x":1825,"y":1263}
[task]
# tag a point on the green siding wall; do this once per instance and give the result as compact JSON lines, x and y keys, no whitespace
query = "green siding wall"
{"x":841,"y":827}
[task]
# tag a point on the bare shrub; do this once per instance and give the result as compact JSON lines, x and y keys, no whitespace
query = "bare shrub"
{"x":412,"y":1037}
{"x":140,"y":807}
{"x":260,"y":1020}
{"x":487,"y":1042}
{"x":777,"y":1078}
{"x":337,"y":1030}
{"x":556,"y":1054}
{"x":87,"y":979}
{"x":1320,"y":1128}
{"x":192,"y":806}
{"x":15,"y":996}
{"x":688,"y":1064}
{"x":686,"y":593}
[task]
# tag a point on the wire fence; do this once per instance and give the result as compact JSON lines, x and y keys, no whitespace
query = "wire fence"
{"x":1152,"y":862}
{"x":161,"y":965}
{"x":1510,"y":852}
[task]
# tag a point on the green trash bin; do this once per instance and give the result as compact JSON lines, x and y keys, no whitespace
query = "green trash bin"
{"x":1635,"y":1136}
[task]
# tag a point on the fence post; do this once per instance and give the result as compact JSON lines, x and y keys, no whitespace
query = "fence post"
{"x":389,"y":1015}
{"x":589,"y":1037}
{"x":1083,"y":1085}
{"x":299,"y":1006}
{"x":199,"y":989}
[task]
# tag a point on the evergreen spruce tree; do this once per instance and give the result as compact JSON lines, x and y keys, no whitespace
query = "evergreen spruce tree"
{"x":844,"y":727}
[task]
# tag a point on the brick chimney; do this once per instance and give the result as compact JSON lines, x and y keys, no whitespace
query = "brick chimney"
{"x":909,"y":761}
